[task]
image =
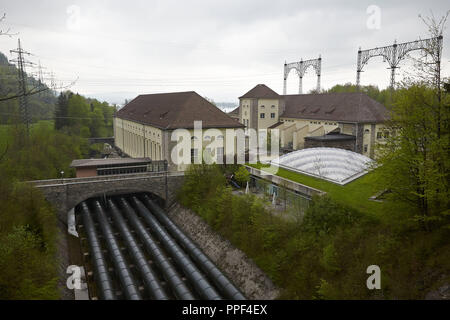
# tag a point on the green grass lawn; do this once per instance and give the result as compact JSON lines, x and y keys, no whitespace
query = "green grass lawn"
{"x":355,"y":194}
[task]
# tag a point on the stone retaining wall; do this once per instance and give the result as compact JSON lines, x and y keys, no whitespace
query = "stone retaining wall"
{"x":240,"y":269}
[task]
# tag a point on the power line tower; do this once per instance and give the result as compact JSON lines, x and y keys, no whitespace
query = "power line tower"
{"x":23,"y":100}
{"x":301,"y":67}
{"x":40,"y":76}
{"x":395,"y":53}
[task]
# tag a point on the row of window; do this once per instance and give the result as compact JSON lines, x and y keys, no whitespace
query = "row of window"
{"x":208,"y":151}
{"x":138,"y":128}
{"x":380,"y":134}
{"x":220,"y":137}
{"x":271,"y":106}
{"x":313,"y":122}
{"x":262,"y":115}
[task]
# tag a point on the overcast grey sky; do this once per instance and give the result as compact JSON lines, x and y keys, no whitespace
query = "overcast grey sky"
{"x":220,"y":49}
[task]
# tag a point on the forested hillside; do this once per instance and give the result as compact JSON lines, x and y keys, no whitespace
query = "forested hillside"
{"x":77,"y":115}
{"x":28,"y":225}
{"x":41,"y":106}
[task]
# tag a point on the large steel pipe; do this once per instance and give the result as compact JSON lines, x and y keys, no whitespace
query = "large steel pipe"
{"x":102,"y":277}
{"x":200,"y":283}
{"x":175,"y":282}
{"x":147,"y":274}
{"x":225,"y":286}
{"x":123,"y":272}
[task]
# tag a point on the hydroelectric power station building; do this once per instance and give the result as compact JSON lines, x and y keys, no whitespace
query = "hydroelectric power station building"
{"x":350,"y":121}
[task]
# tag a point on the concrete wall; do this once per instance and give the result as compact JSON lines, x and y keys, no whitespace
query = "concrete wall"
{"x":298,"y":139}
{"x":138,"y":140}
{"x":240,"y":269}
{"x":373,"y":135}
{"x":303,"y":128}
{"x":327,"y":125}
{"x":267,"y":106}
{"x":86,"y":172}
{"x":245,"y":115}
{"x":288,"y":184}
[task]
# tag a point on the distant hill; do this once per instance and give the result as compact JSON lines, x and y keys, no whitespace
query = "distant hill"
{"x":41,"y":106}
{"x":226,"y":106}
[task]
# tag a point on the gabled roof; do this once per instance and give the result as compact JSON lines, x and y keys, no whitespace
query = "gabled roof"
{"x":234,"y":111}
{"x":343,"y":106}
{"x":261,"y":91}
{"x":175,"y":110}
{"x":275,"y":125}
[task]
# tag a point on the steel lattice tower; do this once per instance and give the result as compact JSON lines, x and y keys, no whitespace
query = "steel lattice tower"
{"x":395,"y":53}
{"x":301,"y":67}
{"x":23,"y":100}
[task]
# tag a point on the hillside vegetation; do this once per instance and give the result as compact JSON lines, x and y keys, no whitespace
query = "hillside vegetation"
{"x":41,"y":106}
{"x":28,"y":224}
{"x":326,"y":254}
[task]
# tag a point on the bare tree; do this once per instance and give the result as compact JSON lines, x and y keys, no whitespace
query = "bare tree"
{"x":6,"y":32}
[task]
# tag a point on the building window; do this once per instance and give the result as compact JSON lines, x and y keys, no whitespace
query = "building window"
{"x":379,"y":135}
{"x":272,"y":115}
{"x":273,"y":106}
{"x":386,"y":134}
{"x":194,"y":155}
{"x":219,"y":153}
{"x":367,"y":131}
{"x":221,"y":137}
{"x":365,"y":148}
{"x":207,"y":138}
{"x":262,"y":115}
{"x":262,"y":107}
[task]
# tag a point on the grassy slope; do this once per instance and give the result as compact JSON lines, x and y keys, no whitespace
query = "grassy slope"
{"x":354,"y":194}
{"x":413,"y":261}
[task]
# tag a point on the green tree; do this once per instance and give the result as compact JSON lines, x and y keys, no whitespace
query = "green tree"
{"x":415,"y":158}
{"x":61,"y":112}
{"x":242,"y":175}
{"x":413,"y":162}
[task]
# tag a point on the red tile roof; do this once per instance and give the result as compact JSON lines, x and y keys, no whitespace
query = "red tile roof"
{"x":343,"y":106}
{"x":175,"y":110}
{"x":261,"y":91}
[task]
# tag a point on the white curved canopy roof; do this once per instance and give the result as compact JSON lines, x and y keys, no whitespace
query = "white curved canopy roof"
{"x":336,"y":165}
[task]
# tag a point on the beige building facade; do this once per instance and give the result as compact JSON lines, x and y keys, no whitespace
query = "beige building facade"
{"x":158,"y":125}
{"x":335,"y":117}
